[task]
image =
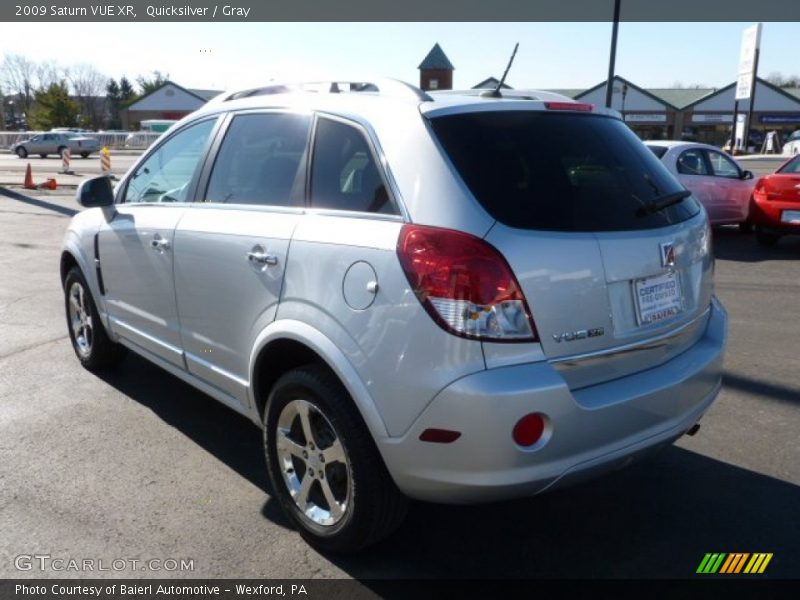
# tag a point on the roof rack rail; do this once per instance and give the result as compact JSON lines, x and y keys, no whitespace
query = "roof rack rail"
{"x":386,"y":86}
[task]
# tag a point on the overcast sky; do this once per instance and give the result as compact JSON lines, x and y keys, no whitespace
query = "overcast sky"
{"x":551,"y":55}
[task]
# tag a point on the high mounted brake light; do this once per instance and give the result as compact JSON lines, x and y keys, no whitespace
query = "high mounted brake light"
{"x":578,"y":106}
{"x":465,"y":284}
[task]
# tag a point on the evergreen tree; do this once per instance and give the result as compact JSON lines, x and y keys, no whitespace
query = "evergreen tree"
{"x":150,"y":85}
{"x":54,"y":108}
{"x":126,"y":91}
{"x":114,"y":104}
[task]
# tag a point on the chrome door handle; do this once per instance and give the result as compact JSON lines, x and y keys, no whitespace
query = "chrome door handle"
{"x":261,"y":258}
{"x":159,"y":243}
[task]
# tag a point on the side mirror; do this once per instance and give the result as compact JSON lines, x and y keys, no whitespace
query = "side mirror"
{"x":97,"y":191}
{"x":747,"y":174}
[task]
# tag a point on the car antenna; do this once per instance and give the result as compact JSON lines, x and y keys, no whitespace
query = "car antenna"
{"x":495,"y":93}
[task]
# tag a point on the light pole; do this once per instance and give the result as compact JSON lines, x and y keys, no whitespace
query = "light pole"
{"x":624,"y":93}
{"x":11,"y":110}
{"x":613,"y":57}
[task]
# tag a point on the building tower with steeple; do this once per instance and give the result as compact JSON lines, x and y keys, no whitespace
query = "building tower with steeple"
{"x":436,"y":70}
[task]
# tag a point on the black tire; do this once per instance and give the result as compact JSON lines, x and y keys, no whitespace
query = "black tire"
{"x":766,"y":239}
{"x":43,"y":155}
{"x":746,"y":227}
{"x":374,"y":507}
{"x":94,"y":349}
{"x":22,"y":152}
{"x":84,"y":155}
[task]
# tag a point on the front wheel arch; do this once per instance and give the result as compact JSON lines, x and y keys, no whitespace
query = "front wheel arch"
{"x":68,"y":261}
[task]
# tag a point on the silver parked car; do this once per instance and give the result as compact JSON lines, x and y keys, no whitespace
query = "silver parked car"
{"x":55,"y":142}
{"x":451,"y":298}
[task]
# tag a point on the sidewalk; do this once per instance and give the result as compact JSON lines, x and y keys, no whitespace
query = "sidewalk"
{"x":765,"y":157}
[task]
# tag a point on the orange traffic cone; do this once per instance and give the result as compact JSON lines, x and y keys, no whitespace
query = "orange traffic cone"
{"x":29,"y":185}
{"x":50,"y":184}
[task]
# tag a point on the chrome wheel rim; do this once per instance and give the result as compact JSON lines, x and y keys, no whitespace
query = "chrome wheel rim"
{"x":313,"y":463}
{"x":80,"y":319}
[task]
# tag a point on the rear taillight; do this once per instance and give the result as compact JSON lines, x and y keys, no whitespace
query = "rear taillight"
{"x":465,"y":284}
{"x":760,"y":190}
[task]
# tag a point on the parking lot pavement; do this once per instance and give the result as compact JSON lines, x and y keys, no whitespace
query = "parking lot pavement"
{"x":762,"y":164}
{"x":136,"y":464}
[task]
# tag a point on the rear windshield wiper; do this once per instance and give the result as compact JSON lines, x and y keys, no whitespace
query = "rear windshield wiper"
{"x":662,"y":202}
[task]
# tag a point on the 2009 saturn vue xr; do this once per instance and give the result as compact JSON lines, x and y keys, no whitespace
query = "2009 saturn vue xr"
{"x":447,"y":297}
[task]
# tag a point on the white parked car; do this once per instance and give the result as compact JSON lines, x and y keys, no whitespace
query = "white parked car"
{"x":792,"y":145}
{"x":721,"y":185}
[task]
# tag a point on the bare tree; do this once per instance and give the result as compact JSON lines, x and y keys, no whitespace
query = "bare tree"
{"x":48,"y":73}
{"x":89,"y":88}
{"x":777,"y":79}
{"x":19,"y":78}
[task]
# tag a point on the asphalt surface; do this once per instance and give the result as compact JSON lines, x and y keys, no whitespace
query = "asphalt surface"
{"x":12,"y":168}
{"x":135,"y":464}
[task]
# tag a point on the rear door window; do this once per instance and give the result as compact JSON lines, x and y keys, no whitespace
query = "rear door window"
{"x":559,"y":171}
{"x":260,"y":161}
{"x":344,"y":172}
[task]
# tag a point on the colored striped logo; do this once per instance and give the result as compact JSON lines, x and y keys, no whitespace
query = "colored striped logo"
{"x":737,"y":562}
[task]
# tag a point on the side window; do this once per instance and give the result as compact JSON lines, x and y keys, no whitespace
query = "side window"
{"x":691,"y":162}
{"x":344,"y":175}
{"x":259,"y":160}
{"x":723,"y":166}
{"x":48,"y":137}
{"x":165,"y":175}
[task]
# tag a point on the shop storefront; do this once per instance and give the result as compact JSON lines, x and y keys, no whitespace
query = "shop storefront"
{"x":774,"y":109}
{"x":649,"y":116}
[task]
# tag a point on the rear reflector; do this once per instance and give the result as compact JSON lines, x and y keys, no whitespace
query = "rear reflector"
{"x":529,"y":429}
{"x":579,"y":106}
{"x":465,"y":284}
{"x":439,"y":436}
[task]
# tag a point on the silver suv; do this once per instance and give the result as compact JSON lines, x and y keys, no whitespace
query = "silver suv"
{"x":453,"y":298}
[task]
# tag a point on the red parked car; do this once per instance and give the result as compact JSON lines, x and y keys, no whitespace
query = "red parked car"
{"x":775,"y":209}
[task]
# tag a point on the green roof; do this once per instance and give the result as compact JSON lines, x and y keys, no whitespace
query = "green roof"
{"x":681,"y":97}
{"x":436,"y":59}
{"x":490,"y":84}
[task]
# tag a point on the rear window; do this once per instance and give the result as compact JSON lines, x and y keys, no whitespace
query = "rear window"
{"x":559,"y":172}
{"x":793,"y":166}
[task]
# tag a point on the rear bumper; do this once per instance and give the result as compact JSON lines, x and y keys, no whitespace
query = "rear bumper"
{"x":767,"y":215}
{"x":590,"y":430}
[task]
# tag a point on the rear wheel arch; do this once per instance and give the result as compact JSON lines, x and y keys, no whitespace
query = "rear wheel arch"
{"x":274,"y":360}
{"x":288,"y":344}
